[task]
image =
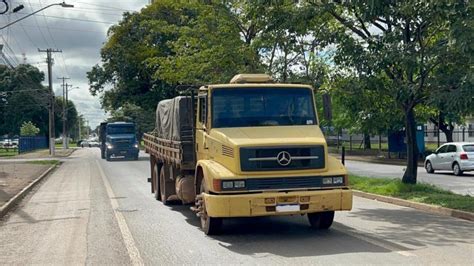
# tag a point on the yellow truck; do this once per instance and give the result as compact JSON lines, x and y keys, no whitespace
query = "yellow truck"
{"x":252,"y":147}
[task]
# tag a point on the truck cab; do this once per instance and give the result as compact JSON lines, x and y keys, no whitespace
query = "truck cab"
{"x":118,"y":139}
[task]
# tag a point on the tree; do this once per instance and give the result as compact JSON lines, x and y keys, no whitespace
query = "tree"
{"x":406,"y":42}
{"x":133,"y":113}
{"x":71,"y":116}
{"x":29,"y":129}
{"x":166,"y":44}
{"x":22,"y":98}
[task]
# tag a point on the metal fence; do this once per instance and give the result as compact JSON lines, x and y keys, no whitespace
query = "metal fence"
{"x":27,"y":144}
{"x":355,"y":143}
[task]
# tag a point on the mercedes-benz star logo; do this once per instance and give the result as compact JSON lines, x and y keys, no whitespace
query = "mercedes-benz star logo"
{"x":284,"y":158}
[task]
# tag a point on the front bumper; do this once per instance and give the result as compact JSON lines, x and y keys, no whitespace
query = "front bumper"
{"x":118,"y":152}
{"x":247,"y":205}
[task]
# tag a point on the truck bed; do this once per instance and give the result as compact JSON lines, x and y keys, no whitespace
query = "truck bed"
{"x":178,"y":153}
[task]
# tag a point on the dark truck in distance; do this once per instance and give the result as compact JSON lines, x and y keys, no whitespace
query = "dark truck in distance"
{"x":118,"y":139}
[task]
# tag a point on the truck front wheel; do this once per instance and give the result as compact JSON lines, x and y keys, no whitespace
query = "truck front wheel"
{"x":321,"y":220}
{"x":210,"y":225}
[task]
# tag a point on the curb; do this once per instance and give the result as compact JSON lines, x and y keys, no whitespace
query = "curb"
{"x":20,"y":195}
{"x":416,"y":205}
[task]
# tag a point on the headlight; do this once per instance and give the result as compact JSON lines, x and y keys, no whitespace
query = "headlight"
{"x":227,"y":184}
{"x":136,"y":145}
{"x":109,"y":146}
{"x":239,"y":184}
{"x":233,"y":184}
{"x":338,"y":180}
{"x":327,"y":180}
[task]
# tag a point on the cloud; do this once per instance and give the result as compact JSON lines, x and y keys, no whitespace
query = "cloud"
{"x":79,"y":32}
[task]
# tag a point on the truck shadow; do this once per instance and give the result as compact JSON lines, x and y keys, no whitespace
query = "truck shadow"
{"x":284,"y":236}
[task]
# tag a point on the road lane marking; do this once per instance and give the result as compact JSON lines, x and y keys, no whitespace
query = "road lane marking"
{"x":132,"y":249}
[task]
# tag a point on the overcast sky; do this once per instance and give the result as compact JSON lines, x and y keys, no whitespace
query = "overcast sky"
{"x":79,"y":32}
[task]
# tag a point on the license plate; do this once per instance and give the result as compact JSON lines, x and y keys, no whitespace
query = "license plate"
{"x":287,"y":208}
{"x":123,"y":152}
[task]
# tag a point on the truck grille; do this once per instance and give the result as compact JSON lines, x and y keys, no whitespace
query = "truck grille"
{"x":286,"y":183}
{"x":122,"y":144}
{"x":282,"y":158}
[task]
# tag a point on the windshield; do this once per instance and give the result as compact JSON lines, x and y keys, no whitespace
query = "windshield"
{"x":251,"y":107}
{"x":125,"y":129}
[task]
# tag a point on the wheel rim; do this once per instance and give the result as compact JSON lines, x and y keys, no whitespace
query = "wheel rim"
{"x":456,"y":169}
{"x":429,"y":167}
{"x":162,"y":185}
{"x":204,"y":218}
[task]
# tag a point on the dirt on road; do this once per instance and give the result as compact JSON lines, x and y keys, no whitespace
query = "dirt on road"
{"x":15,"y":176}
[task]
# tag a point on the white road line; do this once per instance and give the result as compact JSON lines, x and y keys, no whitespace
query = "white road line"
{"x":132,"y":249}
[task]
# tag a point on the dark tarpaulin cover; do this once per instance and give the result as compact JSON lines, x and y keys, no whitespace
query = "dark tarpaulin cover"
{"x":174,"y":119}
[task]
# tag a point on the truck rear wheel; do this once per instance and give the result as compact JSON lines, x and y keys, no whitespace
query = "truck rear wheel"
{"x":321,"y":220}
{"x":164,"y":193}
{"x":156,"y":186}
{"x":210,"y":225}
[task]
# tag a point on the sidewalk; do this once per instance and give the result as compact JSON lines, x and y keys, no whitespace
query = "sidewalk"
{"x":18,"y":174}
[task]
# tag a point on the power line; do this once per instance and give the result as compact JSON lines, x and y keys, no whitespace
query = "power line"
{"x":116,"y":8}
{"x":39,"y":29}
{"x":62,"y":29}
{"x":63,"y":65}
{"x":75,"y":19}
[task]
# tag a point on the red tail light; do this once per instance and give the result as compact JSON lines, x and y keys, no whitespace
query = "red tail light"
{"x":464,"y":156}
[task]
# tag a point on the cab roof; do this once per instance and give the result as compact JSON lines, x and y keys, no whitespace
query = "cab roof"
{"x":255,"y":80}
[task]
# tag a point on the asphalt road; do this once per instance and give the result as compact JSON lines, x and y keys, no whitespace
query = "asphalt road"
{"x":458,"y":184}
{"x":95,"y":212}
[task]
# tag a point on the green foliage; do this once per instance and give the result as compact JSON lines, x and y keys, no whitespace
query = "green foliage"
{"x":22,"y":98}
{"x":397,"y":52}
{"x":144,"y":120}
{"x":29,"y":129}
{"x":45,"y":162}
{"x":72,"y":116}
{"x":424,"y":193}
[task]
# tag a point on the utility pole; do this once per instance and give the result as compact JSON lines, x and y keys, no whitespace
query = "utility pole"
{"x":64,"y":111}
{"x":49,"y":60}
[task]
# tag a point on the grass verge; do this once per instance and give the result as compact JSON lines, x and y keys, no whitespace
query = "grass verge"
{"x":45,"y":162}
{"x":8,"y":152}
{"x":422,"y":192}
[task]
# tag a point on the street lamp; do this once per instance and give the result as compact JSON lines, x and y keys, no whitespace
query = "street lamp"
{"x":63,"y":4}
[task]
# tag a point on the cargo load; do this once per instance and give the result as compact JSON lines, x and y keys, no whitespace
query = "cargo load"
{"x":174,"y":119}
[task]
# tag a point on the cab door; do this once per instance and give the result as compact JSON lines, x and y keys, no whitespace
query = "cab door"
{"x":201,"y":126}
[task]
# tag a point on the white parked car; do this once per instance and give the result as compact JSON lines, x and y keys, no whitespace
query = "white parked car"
{"x":454,"y":156}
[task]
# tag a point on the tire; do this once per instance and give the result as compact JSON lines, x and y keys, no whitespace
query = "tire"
{"x":429,"y":167}
{"x":107,"y":156}
{"x":457,"y":169}
{"x":321,"y":220}
{"x":102,"y":153}
{"x":135,"y":157}
{"x":157,"y":182}
{"x":210,"y":225}
{"x":164,"y":195}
